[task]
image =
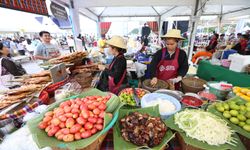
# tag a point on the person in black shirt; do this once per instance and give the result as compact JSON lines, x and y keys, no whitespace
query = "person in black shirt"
{"x":8,"y":67}
{"x":114,"y":77}
{"x":170,"y":63}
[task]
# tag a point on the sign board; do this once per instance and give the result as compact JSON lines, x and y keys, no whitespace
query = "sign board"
{"x":58,"y":73}
{"x":58,"y":11}
{"x":32,"y":6}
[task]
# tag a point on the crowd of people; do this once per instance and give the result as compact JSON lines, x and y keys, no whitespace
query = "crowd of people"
{"x":240,"y":43}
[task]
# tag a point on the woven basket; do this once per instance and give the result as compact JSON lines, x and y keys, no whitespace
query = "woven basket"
{"x":160,"y":85}
{"x":96,"y":145}
{"x":84,"y":79}
{"x":192,"y":85}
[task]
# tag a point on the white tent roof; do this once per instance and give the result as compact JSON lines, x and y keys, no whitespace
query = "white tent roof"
{"x":155,"y":8}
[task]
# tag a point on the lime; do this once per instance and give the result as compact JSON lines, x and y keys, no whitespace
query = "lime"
{"x":247,"y":114}
{"x":241,"y":124}
{"x":248,"y":121}
{"x":226,"y":106}
{"x":220,"y":108}
{"x":218,"y":104}
{"x":246,"y":127}
{"x":248,"y":104}
{"x":241,"y":117}
{"x":242,"y":112}
{"x":248,"y":109}
{"x":234,"y":107}
{"x":234,"y":112}
{"x":226,"y":114}
{"x":243,"y":108}
{"x":234,"y":120}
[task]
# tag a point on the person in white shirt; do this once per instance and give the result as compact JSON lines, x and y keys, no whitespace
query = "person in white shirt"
{"x":71,"y":44}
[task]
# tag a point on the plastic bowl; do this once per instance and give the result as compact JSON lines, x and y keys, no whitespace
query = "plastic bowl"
{"x":153,"y":96}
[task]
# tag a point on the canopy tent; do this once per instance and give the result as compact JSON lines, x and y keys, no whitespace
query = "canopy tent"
{"x":160,"y":10}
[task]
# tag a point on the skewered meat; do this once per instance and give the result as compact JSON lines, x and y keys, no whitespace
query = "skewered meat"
{"x":25,"y":88}
{"x":68,"y":58}
{"x":142,"y":129}
{"x":37,"y":80}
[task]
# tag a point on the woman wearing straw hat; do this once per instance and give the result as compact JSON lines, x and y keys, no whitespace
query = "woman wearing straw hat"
{"x":170,"y":63}
{"x":114,"y":77}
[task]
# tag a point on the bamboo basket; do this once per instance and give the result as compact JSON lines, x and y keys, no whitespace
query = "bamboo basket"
{"x":192,"y":85}
{"x":84,"y":79}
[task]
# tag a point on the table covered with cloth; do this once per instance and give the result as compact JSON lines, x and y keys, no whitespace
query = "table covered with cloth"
{"x":210,"y":72}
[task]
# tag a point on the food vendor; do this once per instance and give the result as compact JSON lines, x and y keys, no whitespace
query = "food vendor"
{"x":114,"y":77}
{"x":170,"y":63}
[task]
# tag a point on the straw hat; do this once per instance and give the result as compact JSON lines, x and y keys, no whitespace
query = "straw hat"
{"x":173,"y":33}
{"x":117,"y":41}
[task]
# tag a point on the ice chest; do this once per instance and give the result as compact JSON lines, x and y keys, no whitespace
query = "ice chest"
{"x":239,"y":62}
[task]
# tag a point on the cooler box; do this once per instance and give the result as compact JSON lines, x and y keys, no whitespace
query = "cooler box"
{"x":239,"y":62}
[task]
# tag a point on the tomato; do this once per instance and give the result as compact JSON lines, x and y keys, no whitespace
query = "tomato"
{"x":62,"y":125}
{"x":75,"y":128}
{"x":62,"y":118}
{"x":60,"y":137}
{"x":82,"y":130}
{"x":75,"y":110}
{"x":55,"y":121}
{"x":67,"y":109}
{"x":93,"y":131}
{"x":43,"y":125}
{"x":68,"y":138}
{"x":58,"y":133}
{"x":47,"y":119}
{"x":99,"y":121}
{"x":70,"y":122}
{"x":48,"y":128}
{"x":85,"y":114}
{"x":83,"y":107}
{"x":75,"y":115}
{"x":77,"y":136}
{"x":91,"y":106}
{"x":102,"y":106}
{"x":91,"y":114}
{"x":63,"y":104}
{"x":96,"y":103}
{"x":49,"y":113}
{"x":69,"y":115}
{"x":101,"y":115}
{"x":86,"y":134}
{"x":99,"y":126}
{"x":96,"y":111}
{"x":76,"y":106}
{"x":88,"y":126}
{"x":53,"y":130}
{"x":65,"y":131}
{"x":92,"y":120}
{"x":81,"y":120}
{"x":99,"y":99}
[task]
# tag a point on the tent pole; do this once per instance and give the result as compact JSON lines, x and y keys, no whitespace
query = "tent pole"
{"x":194,"y":23}
{"x":75,"y":22}
{"x":159,"y":28}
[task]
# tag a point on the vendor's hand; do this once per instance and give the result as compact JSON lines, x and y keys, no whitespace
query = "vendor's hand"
{"x":176,"y":80}
{"x":101,"y":67}
{"x":154,"y":81}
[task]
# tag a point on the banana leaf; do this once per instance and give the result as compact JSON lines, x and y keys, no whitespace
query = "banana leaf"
{"x":121,"y":144}
{"x":43,"y":140}
{"x":236,"y":128}
{"x":202,"y":145}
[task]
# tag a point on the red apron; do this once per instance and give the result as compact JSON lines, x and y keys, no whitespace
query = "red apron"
{"x":168,"y":69}
{"x":114,"y":88}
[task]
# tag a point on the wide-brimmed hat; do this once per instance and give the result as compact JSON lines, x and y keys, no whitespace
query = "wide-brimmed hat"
{"x":173,"y":33}
{"x":117,"y":41}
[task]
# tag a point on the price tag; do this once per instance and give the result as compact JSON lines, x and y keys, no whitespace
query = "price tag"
{"x":58,"y":73}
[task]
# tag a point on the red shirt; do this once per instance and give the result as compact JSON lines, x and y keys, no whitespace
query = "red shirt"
{"x":243,"y":44}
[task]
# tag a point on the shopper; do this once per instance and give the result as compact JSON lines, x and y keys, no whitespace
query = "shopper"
{"x":71,"y":44}
{"x":7,"y":66}
{"x":46,"y":50}
{"x":20,"y":47}
{"x":114,"y":77}
{"x":213,"y":43}
{"x":241,"y":46}
{"x":170,"y":63}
